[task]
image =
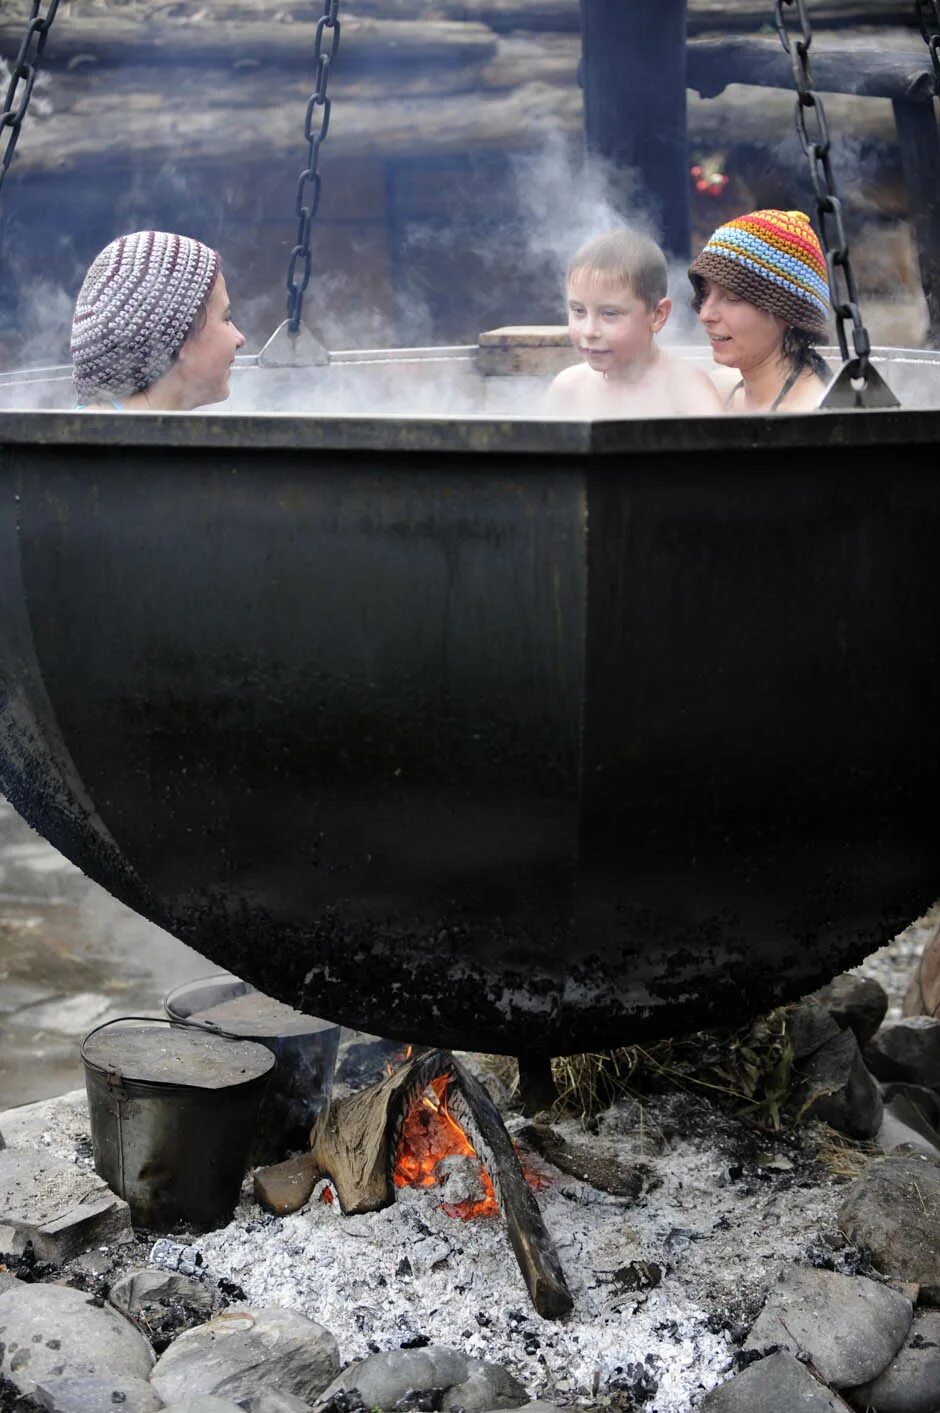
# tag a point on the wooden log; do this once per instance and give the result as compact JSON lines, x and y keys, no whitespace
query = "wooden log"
{"x":367,"y":45}
{"x":863,"y":66}
{"x":535,"y":1251}
{"x":139,"y":116}
{"x":562,"y":15}
{"x":355,"y":1141}
{"x":581,"y":1161}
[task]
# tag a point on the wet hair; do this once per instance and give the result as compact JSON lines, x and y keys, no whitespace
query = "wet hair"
{"x":625,"y":257}
{"x":799,"y":345}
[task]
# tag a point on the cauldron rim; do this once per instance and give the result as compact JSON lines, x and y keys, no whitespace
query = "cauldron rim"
{"x":475,"y":434}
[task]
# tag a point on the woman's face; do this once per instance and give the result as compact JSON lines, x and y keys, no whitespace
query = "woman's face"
{"x":741,"y":335}
{"x":206,"y":357}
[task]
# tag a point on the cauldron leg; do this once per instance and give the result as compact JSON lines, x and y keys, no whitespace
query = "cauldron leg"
{"x":536,"y":1086}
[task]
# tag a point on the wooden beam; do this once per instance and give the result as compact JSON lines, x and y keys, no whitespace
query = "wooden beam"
{"x":367,"y":45}
{"x":633,"y":74}
{"x":920,"y":158}
{"x":863,"y":66}
{"x":562,"y":16}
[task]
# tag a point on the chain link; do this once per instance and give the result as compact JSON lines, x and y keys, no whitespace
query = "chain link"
{"x":24,"y":71}
{"x":309,"y":183}
{"x":928,"y":17}
{"x":813,"y":131}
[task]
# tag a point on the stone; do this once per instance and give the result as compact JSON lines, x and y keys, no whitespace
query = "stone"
{"x":64,"y":1119}
{"x":908,"y":1050}
{"x":911,"y":1382}
{"x":286,"y":1187}
{"x":244,"y":1352}
{"x":96,"y":1395}
{"x":902,"y":1124}
{"x":382,"y":1380}
{"x":777,"y":1384}
{"x":59,"y":1207}
{"x":893,"y":1210}
{"x":927,"y":1101}
{"x":923,"y":994}
{"x":274,"y":1402}
{"x":203,"y":1403}
{"x":849,"y":1328}
{"x":809,"y":1026}
{"x":856,"y":1003}
{"x":837,"y":1088}
{"x":141,"y":1294}
{"x":47,"y":1331}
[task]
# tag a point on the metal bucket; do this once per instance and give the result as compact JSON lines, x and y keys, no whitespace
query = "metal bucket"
{"x":173,"y":1111}
{"x":303,"y":1046}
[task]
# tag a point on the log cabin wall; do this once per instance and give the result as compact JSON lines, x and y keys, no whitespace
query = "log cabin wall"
{"x":446,"y":205}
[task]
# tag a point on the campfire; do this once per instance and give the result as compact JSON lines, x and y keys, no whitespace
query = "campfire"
{"x":397,"y":1133}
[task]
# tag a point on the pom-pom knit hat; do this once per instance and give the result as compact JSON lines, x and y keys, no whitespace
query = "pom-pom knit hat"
{"x":772,"y":259}
{"x":135,"y":308}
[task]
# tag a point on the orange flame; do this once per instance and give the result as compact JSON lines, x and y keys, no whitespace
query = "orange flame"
{"x":431,"y":1133}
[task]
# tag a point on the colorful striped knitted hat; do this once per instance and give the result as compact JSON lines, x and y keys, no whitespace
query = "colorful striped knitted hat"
{"x":772,"y":259}
{"x":135,"y":308}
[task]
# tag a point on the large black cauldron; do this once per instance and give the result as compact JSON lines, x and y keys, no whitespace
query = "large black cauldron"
{"x":486,"y":734}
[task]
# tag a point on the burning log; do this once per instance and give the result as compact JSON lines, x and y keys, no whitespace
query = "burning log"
{"x":370,"y":1142}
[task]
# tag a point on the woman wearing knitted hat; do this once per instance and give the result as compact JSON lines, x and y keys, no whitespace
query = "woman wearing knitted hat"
{"x":153,"y":327}
{"x":761,"y":293}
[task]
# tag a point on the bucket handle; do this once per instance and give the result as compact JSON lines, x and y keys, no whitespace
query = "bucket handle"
{"x":113,"y":1075}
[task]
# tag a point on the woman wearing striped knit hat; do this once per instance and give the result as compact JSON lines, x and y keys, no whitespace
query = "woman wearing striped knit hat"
{"x":762,"y":294}
{"x":153,"y":329}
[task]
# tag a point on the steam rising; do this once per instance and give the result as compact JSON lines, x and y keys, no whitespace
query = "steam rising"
{"x":515,"y":276}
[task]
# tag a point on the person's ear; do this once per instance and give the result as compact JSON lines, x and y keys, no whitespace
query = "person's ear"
{"x":659,"y":314}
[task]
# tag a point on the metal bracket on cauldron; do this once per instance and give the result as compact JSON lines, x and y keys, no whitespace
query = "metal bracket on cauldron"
{"x":285,"y":349}
{"x":849,"y":392}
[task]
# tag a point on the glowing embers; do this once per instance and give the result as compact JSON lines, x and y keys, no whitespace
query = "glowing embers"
{"x":430,"y":1134}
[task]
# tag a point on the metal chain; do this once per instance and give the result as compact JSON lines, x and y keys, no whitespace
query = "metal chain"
{"x":316,"y":127}
{"x":22,"y":78}
{"x":813,"y":132}
{"x":928,"y":17}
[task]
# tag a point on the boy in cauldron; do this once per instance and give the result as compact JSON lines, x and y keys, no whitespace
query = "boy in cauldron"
{"x":617,"y":304}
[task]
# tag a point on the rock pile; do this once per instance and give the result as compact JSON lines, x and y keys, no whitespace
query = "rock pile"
{"x":166,"y":1335}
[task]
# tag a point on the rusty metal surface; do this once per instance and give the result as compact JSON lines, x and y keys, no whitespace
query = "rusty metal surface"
{"x":484,"y":734}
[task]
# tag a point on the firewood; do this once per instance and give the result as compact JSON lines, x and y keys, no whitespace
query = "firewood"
{"x":355,"y":1143}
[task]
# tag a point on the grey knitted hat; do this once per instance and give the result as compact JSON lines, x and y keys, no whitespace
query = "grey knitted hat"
{"x":135,"y":308}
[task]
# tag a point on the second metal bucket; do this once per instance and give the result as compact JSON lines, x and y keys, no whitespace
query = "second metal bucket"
{"x":304,"y":1047}
{"x":172,"y":1113}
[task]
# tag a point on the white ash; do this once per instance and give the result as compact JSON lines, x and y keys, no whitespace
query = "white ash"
{"x":718,"y":1226}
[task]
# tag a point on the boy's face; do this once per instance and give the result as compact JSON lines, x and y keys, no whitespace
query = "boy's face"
{"x":611,"y":328}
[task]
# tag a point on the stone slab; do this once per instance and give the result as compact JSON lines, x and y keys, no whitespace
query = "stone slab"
{"x":61,"y":1208}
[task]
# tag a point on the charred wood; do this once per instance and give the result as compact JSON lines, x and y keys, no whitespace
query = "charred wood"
{"x":606,"y":1174}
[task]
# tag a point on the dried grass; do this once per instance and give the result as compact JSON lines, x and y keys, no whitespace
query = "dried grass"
{"x":749,"y":1068}
{"x":845,"y":1157}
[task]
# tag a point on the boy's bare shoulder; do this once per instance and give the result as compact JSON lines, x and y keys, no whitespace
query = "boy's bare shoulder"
{"x":573,"y":377}
{"x":692,"y":388}
{"x":570,"y":389}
